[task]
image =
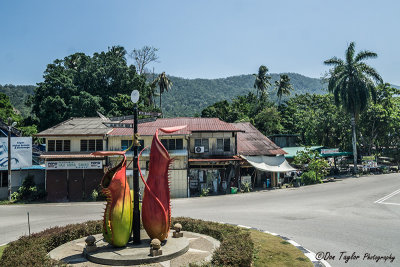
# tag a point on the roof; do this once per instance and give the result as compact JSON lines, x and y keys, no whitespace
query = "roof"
{"x":78,"y":127}
{"x":68,"y":155}
{"x":292,"y":151}
{"x":32,"y":167}
{"x":234,"y":158}
{"x":251,"y":142}
{"x":193,"y":125}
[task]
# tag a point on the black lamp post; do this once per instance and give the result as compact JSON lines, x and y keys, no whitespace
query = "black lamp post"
{"x":136,"y":211}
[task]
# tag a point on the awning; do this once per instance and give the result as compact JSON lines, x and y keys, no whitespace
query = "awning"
{"x":269,"y":164}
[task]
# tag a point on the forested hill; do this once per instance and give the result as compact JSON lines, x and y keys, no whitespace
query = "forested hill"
{"x":191,"y":96}
{"x":18,"y":94}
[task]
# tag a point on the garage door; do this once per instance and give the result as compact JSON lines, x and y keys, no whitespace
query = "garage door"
{"x":75,"y":185}
{"x":56,"y":185}
{"x":92,"y":181}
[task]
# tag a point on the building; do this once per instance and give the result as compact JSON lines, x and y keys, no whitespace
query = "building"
{"x":205,"y":151}
{"x":264,"y":162}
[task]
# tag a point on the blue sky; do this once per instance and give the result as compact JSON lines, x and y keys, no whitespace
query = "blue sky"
{"x":200,"y":39}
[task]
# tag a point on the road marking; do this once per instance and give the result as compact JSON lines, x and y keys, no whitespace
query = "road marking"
{"x":3,"y":244}
{"x":387,"y":203}
{"x":380,"y":201}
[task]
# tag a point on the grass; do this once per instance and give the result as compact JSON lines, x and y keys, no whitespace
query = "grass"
{"x":271,"y":250}
{"x":2,"y":249}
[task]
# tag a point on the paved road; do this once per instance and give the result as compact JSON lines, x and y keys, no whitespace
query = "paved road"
{"x":332,"y":217}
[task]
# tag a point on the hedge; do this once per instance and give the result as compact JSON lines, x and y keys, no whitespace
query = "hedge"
{"x":236,"y":245}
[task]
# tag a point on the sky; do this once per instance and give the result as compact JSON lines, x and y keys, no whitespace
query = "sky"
{"x":200,"y":39}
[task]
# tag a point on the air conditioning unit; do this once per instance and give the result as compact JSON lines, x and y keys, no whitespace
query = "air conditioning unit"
{"x":199,"y":149}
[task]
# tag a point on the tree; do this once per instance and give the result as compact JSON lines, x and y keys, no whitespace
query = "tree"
{"x":283,"y":87}
{"x":79,"y":85}
{"x":143,"y":57}
{"x":164,"y":84}
{"x":262,"y":81}
{"x":7,"y":110}
{"x":352,"y":83}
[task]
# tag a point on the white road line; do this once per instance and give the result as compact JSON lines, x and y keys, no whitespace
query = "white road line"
{"x":3,"y":244}
{"x":387,"y":203}
{"x":387,"y":197}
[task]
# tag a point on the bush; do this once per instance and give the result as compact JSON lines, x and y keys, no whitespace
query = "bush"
{"x":310,"y":177}
{"x":236,"y":247}
{"x":246,"y":187}
{"x":32,"y":251}
{"x":28,"y":191}
{"x":94,"y":195}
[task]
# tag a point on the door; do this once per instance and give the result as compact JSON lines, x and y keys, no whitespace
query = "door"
{"x":75,"y":185}
{"x":92,"y":181}
{"x":57,"y":186}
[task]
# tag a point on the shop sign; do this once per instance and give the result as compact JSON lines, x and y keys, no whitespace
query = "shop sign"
{"x":64,"y":165}
{"x":21,"y":152}
{"x":329,"y":150}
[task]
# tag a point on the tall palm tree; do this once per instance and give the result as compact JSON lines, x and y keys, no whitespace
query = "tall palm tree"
{"x":262,"y":80}
{"x":164,"y":84}
{"x":283,"y":87}
{"x":352,"y":83}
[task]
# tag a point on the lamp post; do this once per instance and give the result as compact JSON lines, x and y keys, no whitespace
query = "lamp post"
{"x":10,"y":125}
{"x":136,"y":211}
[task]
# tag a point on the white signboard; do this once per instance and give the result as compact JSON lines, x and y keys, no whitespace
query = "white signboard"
{"x":83,"y":164}
{"x":21,"y":152}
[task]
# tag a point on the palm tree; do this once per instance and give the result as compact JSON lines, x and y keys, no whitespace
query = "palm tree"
{"x":262,"y":80}
{"x":163,"y":83}
{"x":352,"y":83}
{"x":283,"y":87}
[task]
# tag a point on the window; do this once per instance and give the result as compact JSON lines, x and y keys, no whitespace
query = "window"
{"x":202,"y":142}
{"x":59,"y":145}
{"x":224,"y":144}
{"x":51,"y":145}
{"x":172,"y":144}
{"x":125,"y":144}
{"x":227,"y":144}
{"x":91,"y":144}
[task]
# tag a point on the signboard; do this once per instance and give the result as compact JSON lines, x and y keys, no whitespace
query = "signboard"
{"x":118,"y":125}
{"x":329,"y":150}
{"x":131,"y":117}
{"x":21,"y":152}
{"x":82,"y":164}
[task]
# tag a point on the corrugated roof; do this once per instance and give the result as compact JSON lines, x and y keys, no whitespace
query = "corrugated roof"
{"x":292,"y":151}
{"x":78,"y":127}
{"x":252,"y":142}
{"x":67,"y":155}
{"x":193,"y":125}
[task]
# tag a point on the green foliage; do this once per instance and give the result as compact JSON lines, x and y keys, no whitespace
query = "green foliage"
{"x":246,"y":187}
{"x":315,"y":167}
{"x":18,"y":95}
{"x":262,"y":80}
{"x":205,"y":192}
{"x":28,"y":191}
{"x":6,"y":109}
{"x":236,"y":247}
{"x":79,"y":85}
{"x":283,"y":87}
{"x":94,"y":195}
{"x":32,"y":251}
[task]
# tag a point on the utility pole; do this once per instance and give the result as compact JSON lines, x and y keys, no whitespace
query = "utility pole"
{"x":10,"y":125}
{"x":136,"y":211}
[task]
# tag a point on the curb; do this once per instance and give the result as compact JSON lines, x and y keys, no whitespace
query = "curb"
{"x":308,"y":253}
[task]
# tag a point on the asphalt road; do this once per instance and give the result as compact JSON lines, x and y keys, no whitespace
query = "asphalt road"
{"x":353,"y":215}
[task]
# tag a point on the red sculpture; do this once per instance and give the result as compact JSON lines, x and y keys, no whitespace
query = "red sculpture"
{"x":156,"y":204}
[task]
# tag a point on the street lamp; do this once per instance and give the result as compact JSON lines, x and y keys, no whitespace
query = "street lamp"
{"x":10,"y":125}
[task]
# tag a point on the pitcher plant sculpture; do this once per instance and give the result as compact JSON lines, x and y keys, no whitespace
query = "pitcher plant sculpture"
{"x":156,"y":205}
{"x":118,"y":213}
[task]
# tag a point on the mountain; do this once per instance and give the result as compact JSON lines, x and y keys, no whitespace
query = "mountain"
{"x":190,"y":96}
{"x":18,"y":94}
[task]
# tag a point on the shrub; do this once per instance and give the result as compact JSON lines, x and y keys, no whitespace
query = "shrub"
{"x":28,"y":191}
{"x":310,"y":177}
{"x":94,"y":195}
{"x":246,"y":187}
{"x":32,"y":251}
{"x":236,"y":247}
{"x":204,"y":192}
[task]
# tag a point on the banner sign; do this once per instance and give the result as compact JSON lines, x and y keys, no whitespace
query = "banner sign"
{"x":330,"y":151}
{"x":83,"y":164}
{"x":21,"y":152}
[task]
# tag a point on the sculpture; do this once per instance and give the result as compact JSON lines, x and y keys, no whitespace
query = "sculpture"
{"x":156,"y":204}
{"x":118,"y":213}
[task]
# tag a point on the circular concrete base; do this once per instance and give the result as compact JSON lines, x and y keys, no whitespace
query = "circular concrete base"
{"x":136,"y":254}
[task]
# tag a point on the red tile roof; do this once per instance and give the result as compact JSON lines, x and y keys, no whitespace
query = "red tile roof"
{"x":252,"y":142}
{"x":193,"y":125}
